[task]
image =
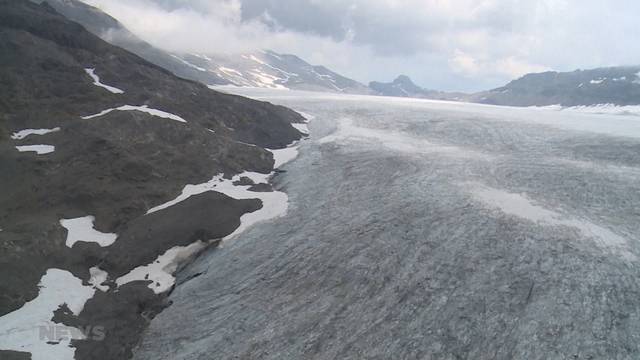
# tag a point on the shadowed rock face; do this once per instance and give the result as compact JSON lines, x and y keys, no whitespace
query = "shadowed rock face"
{"x":114,"y":167}
{"x":616,"y":85}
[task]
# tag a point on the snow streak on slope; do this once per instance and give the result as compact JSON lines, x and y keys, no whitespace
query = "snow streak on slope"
{"x":26,"y":132}
{"x":144,"y":109}
{"x":96,"y":82}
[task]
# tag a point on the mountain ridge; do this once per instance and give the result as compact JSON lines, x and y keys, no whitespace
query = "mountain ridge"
{"x":260,"y":69}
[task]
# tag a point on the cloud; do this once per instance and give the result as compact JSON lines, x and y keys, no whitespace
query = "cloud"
{"x":445,"y":44}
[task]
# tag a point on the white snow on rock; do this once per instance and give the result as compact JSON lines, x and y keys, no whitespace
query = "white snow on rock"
{"x":96,"y":82}
{"x":520,"y":206}
{"x":283,"y":156}
{"x":143,"y":108}
{"x":193,"y":66}
{"x":38,"y":149}
{"x":230,"y":71}
{"x":30,"y":329}
{"x":81,"y":229}
{"x":597,"y":81}
{"x":161,"y":271}
{"x":274,"y":204}
{"x":98,"y":277}
{"x":303,"y":128}
{"x":307,"y":117}
{"x":26,"y":132}
{"x":267,"y":80}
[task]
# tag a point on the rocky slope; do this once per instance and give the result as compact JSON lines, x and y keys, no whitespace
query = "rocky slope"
{"x":92,"y":138}
{"x":112,"y":31}
{"x":615,"y":85}
{"x":266,"y":69}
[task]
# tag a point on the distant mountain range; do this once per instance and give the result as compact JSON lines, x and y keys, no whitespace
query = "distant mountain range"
{"x":268,"y":69}
{"x":614,"y":85}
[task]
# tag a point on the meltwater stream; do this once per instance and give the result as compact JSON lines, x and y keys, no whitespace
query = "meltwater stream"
{"x":427,"y":230}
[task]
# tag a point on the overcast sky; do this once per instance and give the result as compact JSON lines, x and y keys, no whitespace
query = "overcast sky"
{"x":442,"y":44}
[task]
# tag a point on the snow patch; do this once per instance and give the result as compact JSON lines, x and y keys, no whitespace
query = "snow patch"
{"x":193,"y":66}
{"x":38,"y":149}
{"x":520,"y":206}
{"x":160,"y":272}
{"x":252,"y":57}
{"x":283,"y":156}
{"x":597,"y":81}
{"x":26,"y":132}
{"x":303,"y":128}
{"x":143,"y":108}
{"x":30,"y":328}
{"x":98,"y":277}
{"x":230,"y":71}
{"x":81,"y":230}
{"x":274,"y":204}
{"x":307,"y":117}
{"x":96,"y":82}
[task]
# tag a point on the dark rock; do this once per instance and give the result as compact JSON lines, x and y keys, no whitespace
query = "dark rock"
{"x":14,"y":355}
{"x":261,"y":188}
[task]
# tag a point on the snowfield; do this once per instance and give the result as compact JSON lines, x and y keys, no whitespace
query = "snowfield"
{"x":161,"y":271}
